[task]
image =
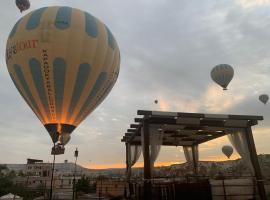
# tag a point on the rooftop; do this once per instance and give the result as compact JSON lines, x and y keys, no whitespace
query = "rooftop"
{"x":186,"y":129}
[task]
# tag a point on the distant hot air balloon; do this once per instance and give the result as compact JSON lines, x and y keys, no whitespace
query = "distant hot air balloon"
{"x":23,"y":5}
{"x":222,"y":74}
{"x":263,"y":98}
{"x":227,"y":150}
{"x":156,"y":101}
{"x":64,"y":62}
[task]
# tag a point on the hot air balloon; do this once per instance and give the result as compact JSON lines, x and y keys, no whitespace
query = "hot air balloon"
{"x":222,"y":74}
{"x":227,"y":150}
{"x":23,"y":5}
{"x":263,"y":98}
{"x":156,"y":101}
{"x":64,"y":62}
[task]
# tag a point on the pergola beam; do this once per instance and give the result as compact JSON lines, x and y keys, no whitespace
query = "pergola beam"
{"x":199,"y":115}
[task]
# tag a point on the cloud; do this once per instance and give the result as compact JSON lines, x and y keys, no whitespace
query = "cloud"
{"x":253,"y":3}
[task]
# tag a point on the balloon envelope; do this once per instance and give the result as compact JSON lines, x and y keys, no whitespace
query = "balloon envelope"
{"x":263,"y":98}
{"x":227,"y":150}
{"x":64,"y":138}
{"x":222,"y":74}
{"x":23,"y":4}
{"x":64,"y":62}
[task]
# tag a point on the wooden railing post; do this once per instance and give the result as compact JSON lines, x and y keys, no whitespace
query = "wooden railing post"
{"x":255,"y":163}
{"x":147,"y":164}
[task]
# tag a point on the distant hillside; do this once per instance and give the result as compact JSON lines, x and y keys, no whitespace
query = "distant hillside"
{"x":68,"y":168}
{"x":205,"y":168}
{"x":212,"y":168}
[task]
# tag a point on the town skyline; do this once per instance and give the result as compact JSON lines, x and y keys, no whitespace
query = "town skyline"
{"x":168,"y":50}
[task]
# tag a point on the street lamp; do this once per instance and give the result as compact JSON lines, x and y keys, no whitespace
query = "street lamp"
{"x":76,"y":154}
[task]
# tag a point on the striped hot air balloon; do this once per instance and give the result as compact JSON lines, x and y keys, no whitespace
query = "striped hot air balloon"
{"x":227,"y":150}
{"x":23,"y":5}
{"x":64,"y":62}
{"x":222,"y":74}
{"x":264,"y":98}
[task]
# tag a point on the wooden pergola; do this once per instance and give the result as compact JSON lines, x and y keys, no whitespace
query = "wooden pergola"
{"x":189,"y":129}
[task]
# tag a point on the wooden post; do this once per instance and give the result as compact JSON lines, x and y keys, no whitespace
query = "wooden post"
{"x":195,"y":166}
{"x":128,"y":168}
{"x":255,"y":163}
{"x":147,"y":164}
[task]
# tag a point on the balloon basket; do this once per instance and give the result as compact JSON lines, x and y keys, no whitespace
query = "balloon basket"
{"x":58,"y":149}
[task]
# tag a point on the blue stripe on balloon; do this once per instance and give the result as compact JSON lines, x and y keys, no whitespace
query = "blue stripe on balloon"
{"x":99,"y":82}
{"x":63,"y":18}
{"x":91,"y":26}
{"x":18,"y":88}
{"x":36,"y":73}
{"x":14,"y":29}
{"x":59,"y":72}
{"x":110,"y":38}
{"x":82,"y":77}
{"x":34,"y":19}
{"x":25,"y":87}
{"x":106,"y":91}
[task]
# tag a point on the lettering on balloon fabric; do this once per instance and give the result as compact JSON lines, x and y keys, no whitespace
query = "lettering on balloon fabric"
{"x":20,"y":46}
{"x":46,"y":71}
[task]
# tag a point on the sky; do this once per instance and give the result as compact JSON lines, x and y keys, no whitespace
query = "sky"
{"x":168,"y":48}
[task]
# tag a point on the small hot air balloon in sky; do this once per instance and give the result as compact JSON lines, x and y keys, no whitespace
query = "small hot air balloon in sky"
{"x":156,"y":101}
{"x":23,"y":5}
{"x":222,"y":74}
{"x":227,"y":150}
{"x":263,"y":98}
{"x":64,"y":62}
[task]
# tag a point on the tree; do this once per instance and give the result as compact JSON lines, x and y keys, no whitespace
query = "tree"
{"x":84,"y":185}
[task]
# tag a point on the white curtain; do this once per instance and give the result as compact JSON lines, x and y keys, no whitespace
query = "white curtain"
{"x":155,"y":141}
{"x":133,"y":154}
{"x":238,"y":139}
{"x":189,"y":155}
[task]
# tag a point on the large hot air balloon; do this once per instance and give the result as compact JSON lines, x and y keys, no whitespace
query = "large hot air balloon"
{"x":263,"y":98}
{"x":227,"y":150}
{"x":23,"y":5}
{"x":64,"y":62}
{"x":222,"y":74}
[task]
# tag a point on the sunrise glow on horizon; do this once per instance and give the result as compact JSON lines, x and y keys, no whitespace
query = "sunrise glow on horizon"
{"x":158,"y":163}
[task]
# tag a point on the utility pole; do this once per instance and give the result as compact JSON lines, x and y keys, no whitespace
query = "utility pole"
{"x":76,"y":154}
{"x":51,"y":190}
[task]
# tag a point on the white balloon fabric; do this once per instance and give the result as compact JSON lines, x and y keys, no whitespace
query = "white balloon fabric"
{"x":222,"y":74}
{"x":64,"y":138}
{"x":227,"y":150}
{"x":263,"y":98}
